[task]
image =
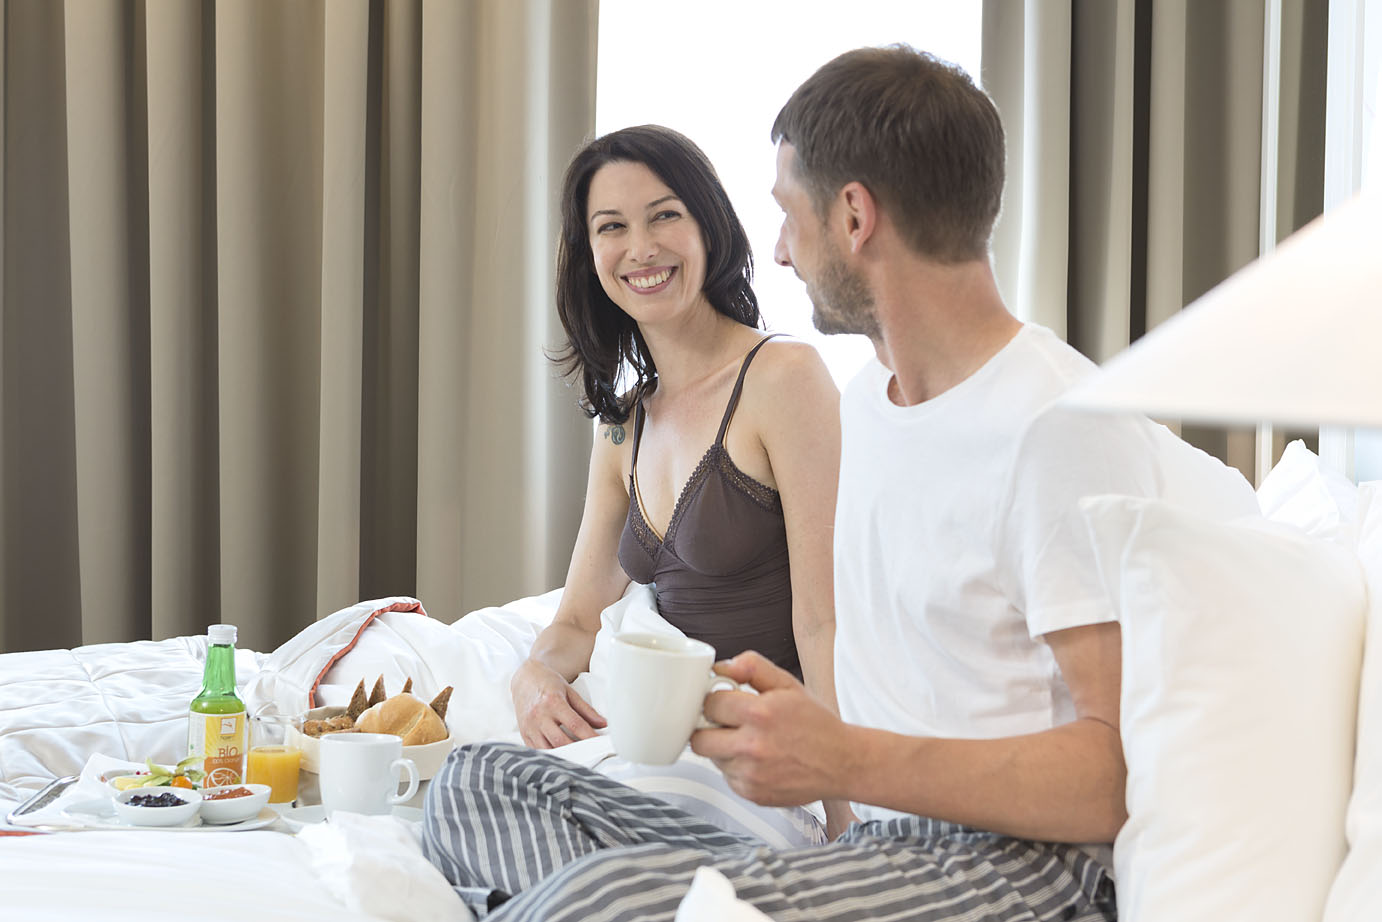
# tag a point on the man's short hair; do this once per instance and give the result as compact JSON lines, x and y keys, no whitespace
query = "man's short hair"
{"x":915,"y":131}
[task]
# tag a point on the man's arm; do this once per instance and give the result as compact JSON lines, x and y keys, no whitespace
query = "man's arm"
{"x":1065,"y":784}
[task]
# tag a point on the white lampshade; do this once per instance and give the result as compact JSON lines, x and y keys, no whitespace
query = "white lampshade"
{"x":1292,"y":339}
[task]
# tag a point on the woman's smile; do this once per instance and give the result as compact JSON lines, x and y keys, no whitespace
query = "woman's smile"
{"x":650,"y":281}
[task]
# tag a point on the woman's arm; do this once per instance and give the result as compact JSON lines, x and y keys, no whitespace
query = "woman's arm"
{"x":550,"y":713}
{"x":800,"y":431}
{"x":802,"y":437}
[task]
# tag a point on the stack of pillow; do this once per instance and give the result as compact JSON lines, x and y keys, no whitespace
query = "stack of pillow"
{"x":1252,"y":719}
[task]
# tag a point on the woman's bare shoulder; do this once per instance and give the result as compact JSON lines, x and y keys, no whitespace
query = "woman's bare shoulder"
{"x":788,"y":389}
{"x":789,"y":369}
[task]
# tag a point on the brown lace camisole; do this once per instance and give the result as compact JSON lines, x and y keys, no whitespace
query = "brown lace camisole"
{"x":721,"y":572}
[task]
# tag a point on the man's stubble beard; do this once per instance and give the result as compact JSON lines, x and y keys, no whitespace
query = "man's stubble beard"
{"x":840,"y":300}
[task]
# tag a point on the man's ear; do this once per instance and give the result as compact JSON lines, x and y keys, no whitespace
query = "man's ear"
{"x":859,"y":213}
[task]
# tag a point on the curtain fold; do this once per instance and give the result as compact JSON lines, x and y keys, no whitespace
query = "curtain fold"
{"x":268,"y":154}
{"x":1135,"y":166}
{"x":277,"y":283}
{"x":184,"y":549}
{"x":108,"y":259}
{"x":345,"y":131}
{"x":40,"y":498}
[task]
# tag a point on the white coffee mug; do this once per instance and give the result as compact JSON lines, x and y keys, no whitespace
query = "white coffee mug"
{"x":657,"y":688}
{"x":360,"y":772}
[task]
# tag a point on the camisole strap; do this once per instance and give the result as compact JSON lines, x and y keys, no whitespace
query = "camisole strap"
{"x":734,"y":396}
{"x":637,"y":432}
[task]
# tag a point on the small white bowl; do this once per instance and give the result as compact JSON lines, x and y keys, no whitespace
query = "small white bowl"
{"x":137,"y":815}
{"x":233,"y":809}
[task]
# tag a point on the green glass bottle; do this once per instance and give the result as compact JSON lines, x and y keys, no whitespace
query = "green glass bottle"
{"x":217,"y":731}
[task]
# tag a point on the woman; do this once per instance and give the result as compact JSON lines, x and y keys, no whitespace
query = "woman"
{"x":715,"y":469}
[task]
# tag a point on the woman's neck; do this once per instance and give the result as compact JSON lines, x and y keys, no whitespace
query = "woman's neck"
{"x":696,"y":349}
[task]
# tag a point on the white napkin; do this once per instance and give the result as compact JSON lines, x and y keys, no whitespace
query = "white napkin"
{"x":89,"y":787}
{"x":712,"y":899}
{"x":373,"y":865}
{"x":635,"y":611}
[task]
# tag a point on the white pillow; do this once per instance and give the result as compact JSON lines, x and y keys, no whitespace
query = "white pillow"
{"x":1302,"y":491}
{"x":1357,"y":893}
{"x":1241,"y":651}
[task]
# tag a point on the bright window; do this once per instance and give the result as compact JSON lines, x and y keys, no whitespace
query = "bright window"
{"x":719,"y":70}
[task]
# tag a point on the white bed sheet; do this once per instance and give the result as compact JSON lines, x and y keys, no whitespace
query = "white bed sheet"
{"x":149,"y":876}
{"x":365,"y":872}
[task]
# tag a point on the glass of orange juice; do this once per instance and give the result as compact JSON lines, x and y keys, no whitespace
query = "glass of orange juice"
{"x":274,"y":759}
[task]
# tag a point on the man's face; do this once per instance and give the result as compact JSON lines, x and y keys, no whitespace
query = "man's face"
{"x":840,"y":299}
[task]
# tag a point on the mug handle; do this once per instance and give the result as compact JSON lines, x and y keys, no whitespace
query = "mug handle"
{"x":716,"y":683}
{"x":397,"y":766}
{"x":723,"y":683}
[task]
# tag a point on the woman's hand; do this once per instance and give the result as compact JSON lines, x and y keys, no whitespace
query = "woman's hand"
{"x":838,"y":817}
{"x":550,"y":712}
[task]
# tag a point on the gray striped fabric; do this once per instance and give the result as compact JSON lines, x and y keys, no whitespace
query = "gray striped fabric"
{"x":569,"y":844}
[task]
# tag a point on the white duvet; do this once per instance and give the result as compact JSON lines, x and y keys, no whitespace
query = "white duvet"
{"x":130,"y":700}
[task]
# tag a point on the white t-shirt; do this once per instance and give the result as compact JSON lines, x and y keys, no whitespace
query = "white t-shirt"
{"x":959,"y":540}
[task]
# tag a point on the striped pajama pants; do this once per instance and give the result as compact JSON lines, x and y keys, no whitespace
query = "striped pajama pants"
{"x":541,"y":838}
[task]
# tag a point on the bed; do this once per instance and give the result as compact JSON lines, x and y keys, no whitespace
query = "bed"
{"x":1252,"y":728}
{"x":64,"y":711}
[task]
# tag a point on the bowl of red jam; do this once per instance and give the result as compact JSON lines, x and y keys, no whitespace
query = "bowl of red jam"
{"x":233,"y":803}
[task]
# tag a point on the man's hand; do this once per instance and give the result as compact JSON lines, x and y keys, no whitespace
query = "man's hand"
{"x":550,"y":712}
{"x":780,"y":747}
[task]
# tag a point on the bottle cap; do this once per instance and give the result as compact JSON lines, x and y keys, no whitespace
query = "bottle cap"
{"x":221,"y":634}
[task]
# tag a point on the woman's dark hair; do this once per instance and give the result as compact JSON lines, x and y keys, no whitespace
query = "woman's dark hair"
{"x":601,"y":338}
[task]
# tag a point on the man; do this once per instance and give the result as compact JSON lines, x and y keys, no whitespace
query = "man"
{"x":977,"y":657}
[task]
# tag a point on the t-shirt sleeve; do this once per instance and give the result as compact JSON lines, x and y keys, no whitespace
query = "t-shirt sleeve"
{"x":1045,"y":554}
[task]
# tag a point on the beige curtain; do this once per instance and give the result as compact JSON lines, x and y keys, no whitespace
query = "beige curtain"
{"x":276,"y":286}
{"x":1135,"y":157}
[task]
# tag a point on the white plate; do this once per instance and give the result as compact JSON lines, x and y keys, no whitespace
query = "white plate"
{"x":99,"y":814}
{"x":297,"y":817}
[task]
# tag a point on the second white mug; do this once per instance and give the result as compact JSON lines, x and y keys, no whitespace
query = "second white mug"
{"x":360,"y":772}
{"x":657,"y":688}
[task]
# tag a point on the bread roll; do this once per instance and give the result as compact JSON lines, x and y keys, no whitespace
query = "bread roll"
{"x":406,"y":716}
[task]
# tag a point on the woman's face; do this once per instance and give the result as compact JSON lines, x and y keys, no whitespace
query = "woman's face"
{"x":646,"y":247}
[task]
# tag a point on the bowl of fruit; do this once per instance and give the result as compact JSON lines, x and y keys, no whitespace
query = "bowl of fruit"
{"x":167,"y":807}
{"x":187,"y":774}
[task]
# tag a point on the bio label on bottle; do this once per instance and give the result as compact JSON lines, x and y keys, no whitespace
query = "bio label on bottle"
{"x":222,"y":746}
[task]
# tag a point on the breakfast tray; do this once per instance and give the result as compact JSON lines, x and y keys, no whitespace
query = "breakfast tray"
{"x":57,"y":807}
